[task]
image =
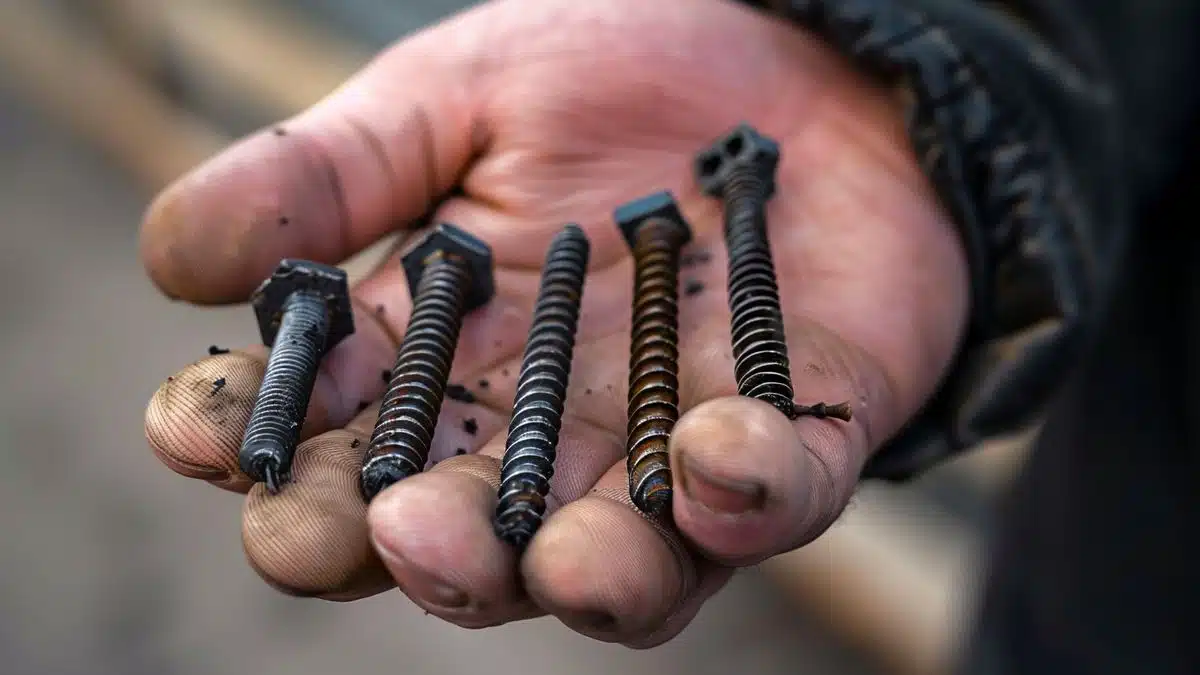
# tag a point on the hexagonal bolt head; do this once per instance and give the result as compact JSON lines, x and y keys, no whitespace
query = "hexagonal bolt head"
{"x":659,"y":205}
{"x":742,"y":148}
{"x":452,"y":240}
{"x":330,"y":283}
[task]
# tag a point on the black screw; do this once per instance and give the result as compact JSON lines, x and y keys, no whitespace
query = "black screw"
{"x":303,"y":311}
{"x":739,"y":168}
{"x":656,"y":232}
{"x":532,"y":440}
{"x":449,"y":274}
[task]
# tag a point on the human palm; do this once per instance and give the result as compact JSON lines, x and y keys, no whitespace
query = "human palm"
{"x":530,"y":114}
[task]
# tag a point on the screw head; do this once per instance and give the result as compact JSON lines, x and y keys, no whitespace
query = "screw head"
{"x":453,"y":240}
{"x":742,"y":148}
{"x":657,"y":206}
{"x":330,"y":283}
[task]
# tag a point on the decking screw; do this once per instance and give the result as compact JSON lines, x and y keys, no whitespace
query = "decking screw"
{"x":532,"y":442}
{"x":303,"y":311}
{"x":656,"y":233}
{"x":449,"y":275}
{"x":739,"y":168}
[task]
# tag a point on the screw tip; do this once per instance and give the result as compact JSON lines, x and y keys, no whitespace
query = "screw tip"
{"x":655,"y":497}
{"x":382,"y":473}
{"x":271,"y":477}
{"x":840,"y":411}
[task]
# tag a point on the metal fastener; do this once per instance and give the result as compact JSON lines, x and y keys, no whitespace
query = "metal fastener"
{"x":303,"y":311}
{"x":656,"y":232}
{"x":739,"y":168}
{"x":532,"y":442}
{"x":450,"y":274}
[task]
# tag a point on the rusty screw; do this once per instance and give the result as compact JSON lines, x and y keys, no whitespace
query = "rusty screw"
{"x":303,"y":311}
{"x":450,"y":274}
{"x":532,"y":440}
{"x":656,"y":232}
{"x":739,"y":168}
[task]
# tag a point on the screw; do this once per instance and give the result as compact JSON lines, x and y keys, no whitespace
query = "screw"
{"x":532,"y":440}
{"x":656,"y":232}
{"x":450,"y":274}
{"x":739,"y":168}
{"x":303,"y":311}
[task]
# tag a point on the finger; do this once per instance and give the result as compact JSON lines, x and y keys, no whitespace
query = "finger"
{"x":612,"y":574}
{"x":435,"y":530}
{"x":750,"y":483}
{"x":374,"y":154}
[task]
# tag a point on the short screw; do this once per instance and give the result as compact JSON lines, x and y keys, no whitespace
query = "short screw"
{"x":532,"y":442}
{"x":303,"y":311}
{"x":656,"y":232}
{"x":739,"y":168}
{"x":450,"y":274}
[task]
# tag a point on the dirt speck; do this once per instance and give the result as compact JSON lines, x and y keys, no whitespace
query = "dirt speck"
{"x":457,"y":392}
{"x":484,"y":384}
{"x":380,"y":310}
{"x":460,"y":451}
{"x":217,"y":385}
{"x":284,"y":221}
{"x":504,"y":372}
{"x":695,"y":258}
{"x":693,"y":288}
{"x":387,"y":376}
{"x":214,"y":350}
{"x":471,"y":426}
{"x":280,"y":131}
{"x":355,"y":443}
{"x":587,"y":391}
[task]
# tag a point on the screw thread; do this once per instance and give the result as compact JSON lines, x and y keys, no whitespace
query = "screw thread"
{"x":760,"y":353}
{"x":269,"y":444}
{"x":532,"y":442}
{"x":654,"y":364}
{"x":403,"y":434}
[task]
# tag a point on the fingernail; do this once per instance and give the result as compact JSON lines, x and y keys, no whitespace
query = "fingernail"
{"x":719,"y":494}
{"x":424,"y":587}
{"x":598,"y":621}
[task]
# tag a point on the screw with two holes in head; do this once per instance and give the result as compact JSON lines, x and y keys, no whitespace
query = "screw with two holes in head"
{"x":739,"y":168}
{"x":449,"y":275}
{"x":656,"y":233}
{"x":532,"y":442}
{"x":303,"y":311}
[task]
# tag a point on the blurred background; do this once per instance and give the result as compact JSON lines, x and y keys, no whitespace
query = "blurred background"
{"x":110,"y":564}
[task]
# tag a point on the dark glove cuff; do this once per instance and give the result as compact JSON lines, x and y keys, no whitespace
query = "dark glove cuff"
{"x":993,"y":152}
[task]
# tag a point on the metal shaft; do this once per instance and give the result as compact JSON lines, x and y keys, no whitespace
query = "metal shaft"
{"x":654,"y":362}
{"x":530,"y":449}
{"x":403,"y":434}
{"x":269,"y":444}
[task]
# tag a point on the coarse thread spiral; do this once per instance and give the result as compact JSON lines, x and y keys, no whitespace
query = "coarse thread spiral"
{"x":269,"y":444}
{"x":530,"y":449}
{"x":759,"y":346}
{"x":653,"y":363}
{"x":408,"y":415}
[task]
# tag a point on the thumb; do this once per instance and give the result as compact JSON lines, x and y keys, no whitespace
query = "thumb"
{"x":375,"y":154}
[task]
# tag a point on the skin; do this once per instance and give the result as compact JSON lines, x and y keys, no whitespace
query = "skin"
{"x":544,"y":112}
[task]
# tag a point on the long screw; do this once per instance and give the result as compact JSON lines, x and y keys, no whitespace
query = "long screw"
{"x":532,"y":442}
{"x":740,"y":169}
{"x":450,"y":274}
{"x":303,"y":311}
{"x":656,"y":233}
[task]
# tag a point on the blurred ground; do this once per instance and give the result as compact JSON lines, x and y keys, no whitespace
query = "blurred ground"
{"x":112,"y":565}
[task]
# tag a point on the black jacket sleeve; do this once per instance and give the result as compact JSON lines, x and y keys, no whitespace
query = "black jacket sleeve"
{"x":1017,"y":114}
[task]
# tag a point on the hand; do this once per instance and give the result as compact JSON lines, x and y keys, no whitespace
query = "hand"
{"x":546,"y":112}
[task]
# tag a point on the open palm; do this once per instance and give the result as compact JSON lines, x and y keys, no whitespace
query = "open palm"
{"x":534,"y":113}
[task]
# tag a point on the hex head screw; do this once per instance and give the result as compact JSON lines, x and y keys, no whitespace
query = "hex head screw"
{"x":532,"y":442}
{"x":303,"y":311}
{"x":739,"y":168}
{"x":450,"y":274}
{"x":656,"y":233}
